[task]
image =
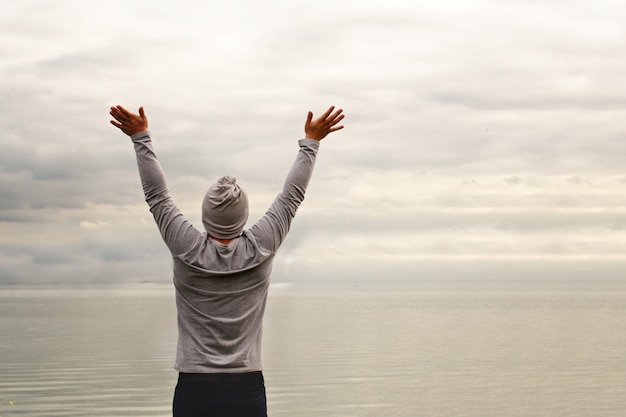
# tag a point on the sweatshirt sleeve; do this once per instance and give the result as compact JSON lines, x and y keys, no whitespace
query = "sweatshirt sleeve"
{"x":272,"y":228}
{"x":177,"y":232}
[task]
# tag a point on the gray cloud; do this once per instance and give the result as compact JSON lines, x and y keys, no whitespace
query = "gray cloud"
{"x":469,"y":134}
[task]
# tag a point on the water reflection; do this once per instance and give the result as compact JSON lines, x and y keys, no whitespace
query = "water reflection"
{"x":110,"y":353}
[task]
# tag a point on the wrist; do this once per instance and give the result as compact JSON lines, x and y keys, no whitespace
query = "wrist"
{"x":313,"y":135}
{"x":138,"y":135}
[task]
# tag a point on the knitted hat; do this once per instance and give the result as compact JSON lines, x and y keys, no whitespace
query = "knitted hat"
{"x":225,"y":209}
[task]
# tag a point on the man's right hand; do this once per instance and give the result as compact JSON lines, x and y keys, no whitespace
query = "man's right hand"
{"x":318,"y":129}
{"x":127,"y":122}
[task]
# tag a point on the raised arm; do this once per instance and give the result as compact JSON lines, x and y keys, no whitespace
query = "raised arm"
{"x":176,"y":231}
{"x":272,"y":228}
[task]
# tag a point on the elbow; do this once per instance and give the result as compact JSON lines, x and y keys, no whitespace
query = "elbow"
{"x":156,"y":200}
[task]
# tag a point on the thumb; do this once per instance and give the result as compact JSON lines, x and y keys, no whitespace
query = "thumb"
{"x":142,"y":113}
{"x":307,"y":124}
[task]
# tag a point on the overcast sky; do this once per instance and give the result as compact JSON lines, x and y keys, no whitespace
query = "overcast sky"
{"x":483,"y":140}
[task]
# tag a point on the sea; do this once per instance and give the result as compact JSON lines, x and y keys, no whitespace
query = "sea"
{"x":351,"y":352}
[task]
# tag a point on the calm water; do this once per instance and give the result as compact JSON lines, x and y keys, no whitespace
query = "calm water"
{"x":110,"y":353}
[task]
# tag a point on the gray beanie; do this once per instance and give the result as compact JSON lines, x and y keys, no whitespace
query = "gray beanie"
{"x":225,"y":209}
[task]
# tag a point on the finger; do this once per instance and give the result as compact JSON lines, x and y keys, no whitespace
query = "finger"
{"x":116,"y":124}
{"x":117,"y":114}
{"x":124,"y":111}
{"x":327,"y":113}
{"x":309,"y":118}
{"x":337,"y":120}
{"x":336,"y":114}
{"x":336,"y":128}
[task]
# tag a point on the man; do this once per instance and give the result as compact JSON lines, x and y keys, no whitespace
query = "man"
{"x":221,"y":276}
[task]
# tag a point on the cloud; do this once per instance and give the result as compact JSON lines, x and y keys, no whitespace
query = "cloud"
{"x":93,"y":225}
{"x":475,"y":131}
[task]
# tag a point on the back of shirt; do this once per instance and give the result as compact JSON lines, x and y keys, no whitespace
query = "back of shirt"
{"x":220,"y":313}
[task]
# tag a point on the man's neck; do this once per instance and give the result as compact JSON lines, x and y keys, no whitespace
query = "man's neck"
{"x":223,"y":241}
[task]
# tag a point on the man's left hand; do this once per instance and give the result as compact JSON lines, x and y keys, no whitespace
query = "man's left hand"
{"x":127,"y":122}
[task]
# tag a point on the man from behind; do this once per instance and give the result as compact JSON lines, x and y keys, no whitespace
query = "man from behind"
{"x":221,"y":275}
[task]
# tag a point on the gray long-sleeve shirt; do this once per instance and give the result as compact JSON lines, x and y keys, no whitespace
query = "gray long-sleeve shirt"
{"x":221,"y":290}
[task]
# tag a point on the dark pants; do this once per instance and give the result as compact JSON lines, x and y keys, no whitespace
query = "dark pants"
{"x":220,"y":395}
